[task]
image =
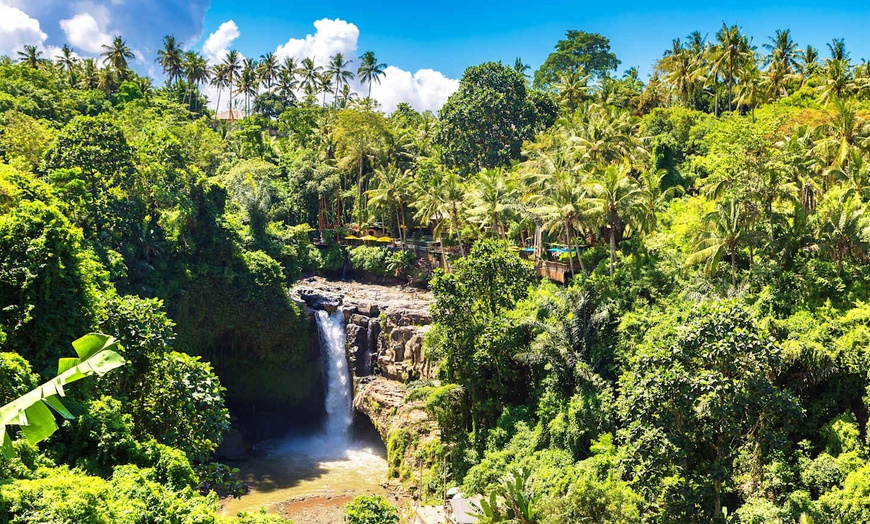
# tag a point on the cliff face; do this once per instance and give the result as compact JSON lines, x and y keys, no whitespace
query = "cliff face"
{"x":385,"y":330}
{"x":385,"y":325}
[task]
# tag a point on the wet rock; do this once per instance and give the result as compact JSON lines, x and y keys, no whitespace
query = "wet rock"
{"x":316,"y":299}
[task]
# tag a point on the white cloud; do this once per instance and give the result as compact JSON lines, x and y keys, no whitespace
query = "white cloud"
{"x":218,"y":43}
{"x":84,"y":32}
{"x":330,"y":37}
{"x":18,"y":29}
{"x":424,"y":90}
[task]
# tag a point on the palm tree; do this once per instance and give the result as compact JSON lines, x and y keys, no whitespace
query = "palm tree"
{"x":393,"y":187}
{"x":749,"y":90}
{"x":808,"y":62}
{"x":684,"y":73}
{"x":248,"y":83}
{"x":286,"y":86}
{"x":838,"y":81}
{"x":724,"y":231}
{"x":232,"y":67}
{"x":841,"y":226}
{"x":309,"y":77}
{"x":428,"y":191}
{"x":116,"y":55}
{"x":562,"y":201}
{"x":734,"y":49}
{"x":220,"y":79}
{"x":268,"y":70}
{"x":346,"y":96}
{"x":616,"y":196}
{"x":782,"y":61}
{"x":845,"y":134}
{"x":338,"y":72}
{"x":197,"y":71}
{"x":572,"y":88}
{"x":171,"y":58}
{"x":837,"y":47}
{"x":67,"y":61}
{"x":88,"y":74}
{"x":521,"y":68}
{"x":492,"y":196}
{"x":30,"y":56}
{"x":106,"y":79}
{"x":370,"y":70}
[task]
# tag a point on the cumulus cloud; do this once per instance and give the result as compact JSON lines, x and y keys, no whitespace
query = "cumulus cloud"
{"x":18,"y":29}
{"x":218,"y":43}
{"x":330,"y":37}
{"x":83,"y":32}
{"x":425,"y":90}
{"x":84,"y":24}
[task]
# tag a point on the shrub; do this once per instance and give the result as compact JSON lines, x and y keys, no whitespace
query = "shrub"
{"x":370,"y":509}
{"x":375,"y":260}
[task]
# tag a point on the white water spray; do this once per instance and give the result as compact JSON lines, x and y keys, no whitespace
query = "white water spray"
{"x":339,"y":403}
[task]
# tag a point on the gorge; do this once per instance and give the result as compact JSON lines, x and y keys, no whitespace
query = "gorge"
{"x":370,"y":340}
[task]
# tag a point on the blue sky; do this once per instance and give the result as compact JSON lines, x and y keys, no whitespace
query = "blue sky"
{"x":428,"y":44}
{"x":448,"y":36}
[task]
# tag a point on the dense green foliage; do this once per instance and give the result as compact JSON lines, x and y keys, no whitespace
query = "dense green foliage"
{"x":370,"y":509}
{"x":706,"y":360}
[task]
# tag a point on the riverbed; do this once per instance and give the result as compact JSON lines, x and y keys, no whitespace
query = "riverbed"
{"x":306,"y":468}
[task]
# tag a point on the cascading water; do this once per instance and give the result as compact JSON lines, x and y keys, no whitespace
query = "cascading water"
{"x":323,"y":464}
{"x":339,"y":404}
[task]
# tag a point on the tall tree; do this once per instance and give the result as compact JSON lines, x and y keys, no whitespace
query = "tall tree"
{"x":309,"y":77}
{"x":370,"y":70}
{"x":116,"y":55}
{"x":617,"y":197}
{"x":588,"y":53}
{"x":196,"y":70}
{"x":171,"y":58}
{"x":232,"y":66}
{"x":30,"y":56}
{"x":735,"y":48}
{"x":337,"y":69}
{"x":267,"y":71}
{"x":220,"y":78}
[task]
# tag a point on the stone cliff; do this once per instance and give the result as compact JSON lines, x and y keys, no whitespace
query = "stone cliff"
{"x":385,"y":330}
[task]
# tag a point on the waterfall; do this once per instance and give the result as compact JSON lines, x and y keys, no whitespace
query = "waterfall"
{"x":339,"y":403}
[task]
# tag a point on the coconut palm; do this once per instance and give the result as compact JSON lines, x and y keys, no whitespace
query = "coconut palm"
{"x":562,"y":201}
{"x":286,"y":86}
{"x":339,"y":74}
{"x":616,"y":197}
{"x":30,"y":56}
{"x":684,"y":73}
{"x":267,"y":71}
{"x":220,"y":79}
{"x":88,"y":74}
{"x":844,"y":133}
{"x":750,"y":90}
{"x":841,"y":227}
{"x":232,"y":67}
{"x":309,"y":77}
{"x":838,"y":81}
{"x":572,"y":87}
{"x":171,"y":58}
{"x":248,"y":83}
{"x":808,"y":62}
{"x":492,"y":198}
{"x":723,"y":233}
{"x":370,"y":70}
{"x":196,"y":70}
{"x":521,"y":68}
{"x":116,"y":55}
{"x":393,"y":186}
{"x":67,"y":61}
{"x":837,"y":47}
{"x":734,"y":49}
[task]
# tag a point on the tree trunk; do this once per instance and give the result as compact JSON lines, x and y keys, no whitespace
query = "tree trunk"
{"x":359,"y":188}
{"x":571,"y":251}
{"x":612,"y":241}
{"x":733,"y":268}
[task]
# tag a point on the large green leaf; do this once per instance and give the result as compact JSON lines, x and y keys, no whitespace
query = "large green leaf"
{"x":97,"y":355}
